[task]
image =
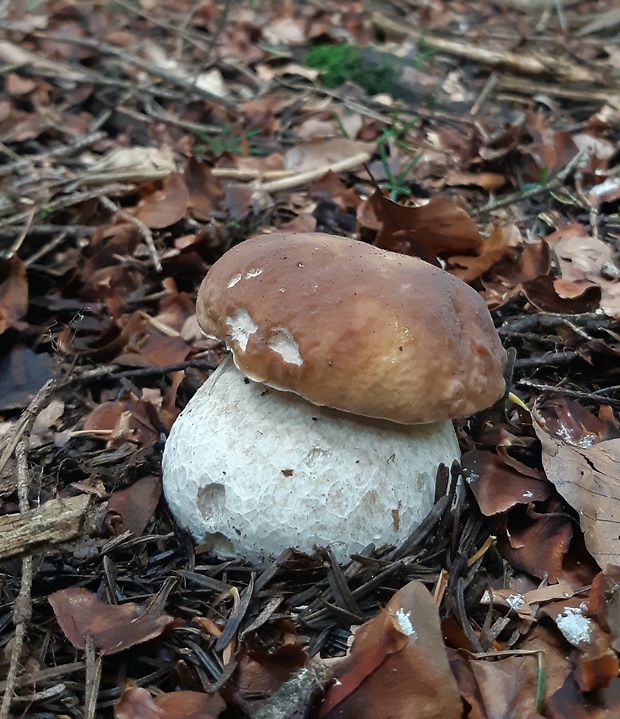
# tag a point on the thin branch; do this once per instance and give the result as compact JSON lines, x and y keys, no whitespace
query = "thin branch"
{"x":22,"y":609}
{"x":144,"y":231}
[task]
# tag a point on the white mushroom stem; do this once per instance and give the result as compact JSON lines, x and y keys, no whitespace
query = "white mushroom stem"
{"x":256,"y":470}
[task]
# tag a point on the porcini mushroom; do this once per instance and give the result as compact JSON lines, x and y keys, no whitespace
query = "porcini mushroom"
{"x":349,"y":364}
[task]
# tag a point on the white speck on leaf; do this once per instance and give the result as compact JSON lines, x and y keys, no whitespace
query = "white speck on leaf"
{"x":404,"y":621}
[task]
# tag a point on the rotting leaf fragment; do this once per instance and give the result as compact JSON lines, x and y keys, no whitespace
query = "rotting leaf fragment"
{"x":114,"y":627}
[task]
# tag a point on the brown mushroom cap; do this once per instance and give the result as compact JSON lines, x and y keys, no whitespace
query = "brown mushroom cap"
{"x":352,"y":327}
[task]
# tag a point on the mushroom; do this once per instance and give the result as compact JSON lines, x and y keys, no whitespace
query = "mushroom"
{"x":349,"y":364}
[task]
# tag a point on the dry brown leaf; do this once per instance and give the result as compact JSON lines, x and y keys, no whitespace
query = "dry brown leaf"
{"x":569,"y":701}
{"x":597,"y":663}
{"x":442,"y":227}
{"x":264,"y":672}
{"x":140,"y":162}
{"x":319,"y":153}
{"x":164,"y":207}
{"x":136,"y":504}
{"x":498,"y":487}
{"x":398,"y":660}
{"x":114,"y":627}
{"x":13,"y":292}
{"x":126,"y":419}
{"x":513,"y":270}
{"x":587,"y":477}
{"x":581,"y":261}
{"x":537,"y":543}
{"x":496,"y":245}
{"x":542,"y":294}
{"x":137,"y":703}
{"x":205,"y":193}
{"x":486,"y":180}
{"x":506,"y":684}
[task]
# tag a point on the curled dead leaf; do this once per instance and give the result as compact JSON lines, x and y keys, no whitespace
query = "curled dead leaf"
{"x":164,"y":207}
{"x":114,"y":627}
{"x":398,"y":660}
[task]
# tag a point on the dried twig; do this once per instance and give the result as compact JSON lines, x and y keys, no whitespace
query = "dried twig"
{"x":578,"y":394}
{"x":556,"y":181}
{"x":302,"y":178}
{"x":93,"y":677}
{"x":144,"y":231}
{"x":527,"y":64}
{"x":73,"y":199}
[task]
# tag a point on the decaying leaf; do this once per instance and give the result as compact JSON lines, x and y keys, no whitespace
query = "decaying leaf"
{"x":506,"y":684}
{"x":136,"y":504}
{"x":137,"y":163}
{"x":493,"y":249}
{"x":164,"y":207}
{"x":128,"y":418}
{"x":537,"y":543}
{"x":398,"y":661}
{"x":581,"y":260}
{"x":586,"y":475}
{"x":13,"y":292}
{"x":205,"y":193}
{"x":442,"y":227}
{"x":137,"y":703}
{"x":319,"y":153}
{"x":496,"y":486}
{"x":114,"y":627}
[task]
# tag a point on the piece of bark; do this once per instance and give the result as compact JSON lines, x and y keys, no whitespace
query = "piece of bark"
{"x":53,"y":522}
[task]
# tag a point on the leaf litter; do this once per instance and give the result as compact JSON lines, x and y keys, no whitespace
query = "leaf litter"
{"x":139,"y":143}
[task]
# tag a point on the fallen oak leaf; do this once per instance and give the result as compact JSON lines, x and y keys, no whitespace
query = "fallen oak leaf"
{"x":114,"y":627}
{"x":442,"y":227}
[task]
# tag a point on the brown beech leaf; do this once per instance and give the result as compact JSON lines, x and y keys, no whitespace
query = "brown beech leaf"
{"x":513,"y":270}
{"x":205,"y":193}
{"x":586,"y":475}
{"x":506,"y":684}
{"x":262,"y":672}
{"x":137,"y":703}
{"x":494,"y":248}
{"x":541,"y":293}
{"x":569,"y":701}
{"x":136,"y":504}
{"x":538,"y":543}
{"x":442,"y":227}
{"x":398,"y":661}
{"x":557,"y":661}
{"x":13,"y":292}
{"x":114,"y":627}
{"x":164,"y":207}
{"x":575,"y":424}
{"x":498,"y":487}
{"x":581,"y":259}
{"x":125,"y":419}
{"x":485,"y":180}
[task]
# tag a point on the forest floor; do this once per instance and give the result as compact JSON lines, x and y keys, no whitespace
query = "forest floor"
{"x":141,"y":140}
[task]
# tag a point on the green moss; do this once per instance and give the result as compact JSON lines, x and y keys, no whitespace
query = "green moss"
{"x":372,"y":71}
